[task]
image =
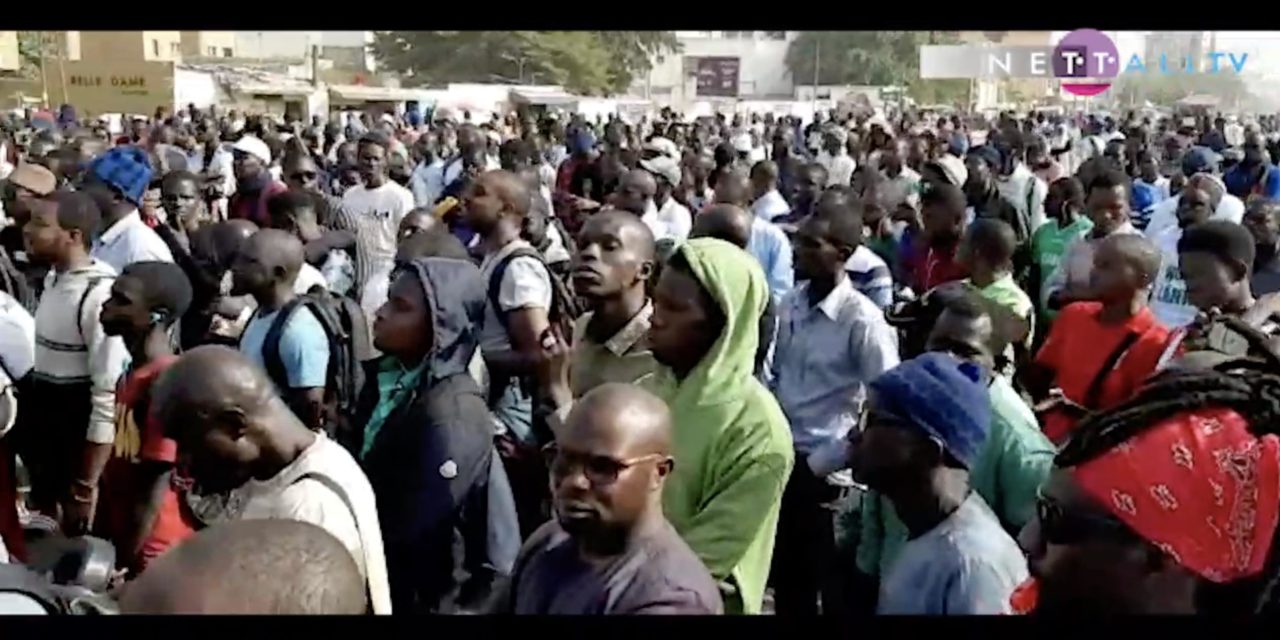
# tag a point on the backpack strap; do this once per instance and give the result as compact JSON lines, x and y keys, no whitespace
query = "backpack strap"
{"x":332,"y":485}
{"x":500,"y":271}
{"x":93,"y":284}
{"x":1094,"y":392}
{"x":271,"y":344}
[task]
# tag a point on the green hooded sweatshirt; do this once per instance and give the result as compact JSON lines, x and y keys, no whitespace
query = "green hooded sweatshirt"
{"x":732,"y":442}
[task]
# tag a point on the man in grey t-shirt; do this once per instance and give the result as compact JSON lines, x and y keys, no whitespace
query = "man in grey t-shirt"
{"x":609,"y":549}
{"x":926,"y":424}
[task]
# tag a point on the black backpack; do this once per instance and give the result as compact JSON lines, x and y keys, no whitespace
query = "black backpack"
{"x":564,"y":304}
{"x":564,"y":310}
{"x":349,"y":345}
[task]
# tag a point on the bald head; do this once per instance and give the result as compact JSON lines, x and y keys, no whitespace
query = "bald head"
{"x":509,"y":188}
{"x":726,"y":222}
{"x":277,"y":250}
{"x":636,"y":420}
{"x":733,"y":187}
{"x":227,"y":418}
{"x":635,"y":191}
{"x":205,"y":381}
{"x":251,"y":567}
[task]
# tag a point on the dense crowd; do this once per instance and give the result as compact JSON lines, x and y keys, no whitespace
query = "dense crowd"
{"x":542,"y":364}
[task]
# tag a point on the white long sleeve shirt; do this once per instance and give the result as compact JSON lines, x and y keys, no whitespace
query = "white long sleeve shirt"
{"x":73,"y":349}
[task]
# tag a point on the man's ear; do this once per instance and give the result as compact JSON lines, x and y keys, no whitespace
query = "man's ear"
{"x":645,"y":273}
{"x":664,"y":467}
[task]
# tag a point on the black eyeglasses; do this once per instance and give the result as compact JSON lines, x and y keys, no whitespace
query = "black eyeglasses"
{"x":600,"y":471}
{"x":1060,"y":526}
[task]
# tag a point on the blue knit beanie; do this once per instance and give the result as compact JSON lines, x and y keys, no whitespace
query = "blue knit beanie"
{"x":942,"y":395}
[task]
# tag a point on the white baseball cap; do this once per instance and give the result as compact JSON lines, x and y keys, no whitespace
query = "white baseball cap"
{"x":254,"y":147}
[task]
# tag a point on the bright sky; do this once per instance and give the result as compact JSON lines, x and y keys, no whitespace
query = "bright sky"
{"x":1263,"y":47}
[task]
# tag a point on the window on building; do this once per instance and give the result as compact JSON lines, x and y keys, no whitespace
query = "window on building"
{"x":776,"y":35}
{"x":731,"y":35}
{"x":175,"y":48}
{"x":212,"y":51}
{"x":226,"y":52}
{"x":155,"y":47}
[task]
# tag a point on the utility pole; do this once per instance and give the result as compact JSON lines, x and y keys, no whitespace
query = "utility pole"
{"x":817,"y":61}
{"x":44,"y":77}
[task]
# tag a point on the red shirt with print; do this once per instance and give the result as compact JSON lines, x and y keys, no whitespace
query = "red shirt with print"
{"x":125,"y":482}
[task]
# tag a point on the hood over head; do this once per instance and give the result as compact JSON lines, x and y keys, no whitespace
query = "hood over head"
{"x":455,"y":295}
{"x":737,"y":283}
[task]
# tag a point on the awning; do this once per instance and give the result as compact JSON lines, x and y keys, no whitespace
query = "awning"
{"x":273,"y":90}
{"x":543,"y":97}
{"x":361,"y":93}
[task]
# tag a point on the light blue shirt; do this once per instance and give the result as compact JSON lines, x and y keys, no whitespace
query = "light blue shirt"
{"x":823,"y":358}
{"x":427,"y":183}
{"x":304,"y":347}
{"x":770,"y":246}
{"x":967,"y":565}
{"x":130,"y":240}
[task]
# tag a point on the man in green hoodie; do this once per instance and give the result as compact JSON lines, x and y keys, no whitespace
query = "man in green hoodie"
{"x":732,"y":441}
{"x":732,"y":444}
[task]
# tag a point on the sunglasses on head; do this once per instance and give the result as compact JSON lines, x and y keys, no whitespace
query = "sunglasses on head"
{"x":1062,"y":526}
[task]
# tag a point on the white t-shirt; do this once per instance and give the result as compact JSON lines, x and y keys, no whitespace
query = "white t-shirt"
{"x":290,"y":496}
{"x":525,"y":284}
{"x":17,"y":337}
{"x":672,"y":221}
{"x":1169,"y":295}
{"x":308,"y":277}
{"x":377,"y":213}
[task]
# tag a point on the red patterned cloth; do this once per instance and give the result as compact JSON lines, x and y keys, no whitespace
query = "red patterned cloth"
{"x":1199,"y":486}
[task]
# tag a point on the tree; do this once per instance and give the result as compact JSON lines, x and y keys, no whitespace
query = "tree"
{"x":873,"y":58}
{"x":589,"y":62}
{"x":30,"y":46}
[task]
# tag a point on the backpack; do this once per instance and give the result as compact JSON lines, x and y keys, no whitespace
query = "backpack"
{"x":564,"y":304}
{"x":564,"y":310}
{"x":350,"y":345}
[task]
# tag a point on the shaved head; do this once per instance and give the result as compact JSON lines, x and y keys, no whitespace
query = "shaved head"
{"x":612,"y":458}
{"x":269,"y":259}
{"x":726,"y":222}
{"x":510,"y":188}
{"x":251,"y":567}
{"x":635,"y":191}
{"x":634,"y":418}
{"x":733,"y":187}
{"x":227,"y":418}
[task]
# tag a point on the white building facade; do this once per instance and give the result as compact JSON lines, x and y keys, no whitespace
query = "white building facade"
{"x":761,"y":61}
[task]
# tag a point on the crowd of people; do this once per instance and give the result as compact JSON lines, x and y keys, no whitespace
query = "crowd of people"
{"x":547,"y":365}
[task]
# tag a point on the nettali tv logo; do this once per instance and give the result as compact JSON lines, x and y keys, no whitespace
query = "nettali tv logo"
{"x":1092,"y":56}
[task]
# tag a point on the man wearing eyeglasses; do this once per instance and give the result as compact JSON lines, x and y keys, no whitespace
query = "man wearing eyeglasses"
{"x":610,"y":549}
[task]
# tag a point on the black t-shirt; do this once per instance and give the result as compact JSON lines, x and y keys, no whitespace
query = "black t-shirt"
{"x":658,"y":575}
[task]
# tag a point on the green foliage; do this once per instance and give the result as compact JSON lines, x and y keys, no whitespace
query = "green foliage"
{"x":589,"y":62}
{"x":873,"y":58}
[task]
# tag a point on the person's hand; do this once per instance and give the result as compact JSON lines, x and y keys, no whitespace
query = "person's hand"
{"x":78,"y":509}
{"x":553,"y":366}
{"x":585,"y":204}
{"x":1265,"y":309}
